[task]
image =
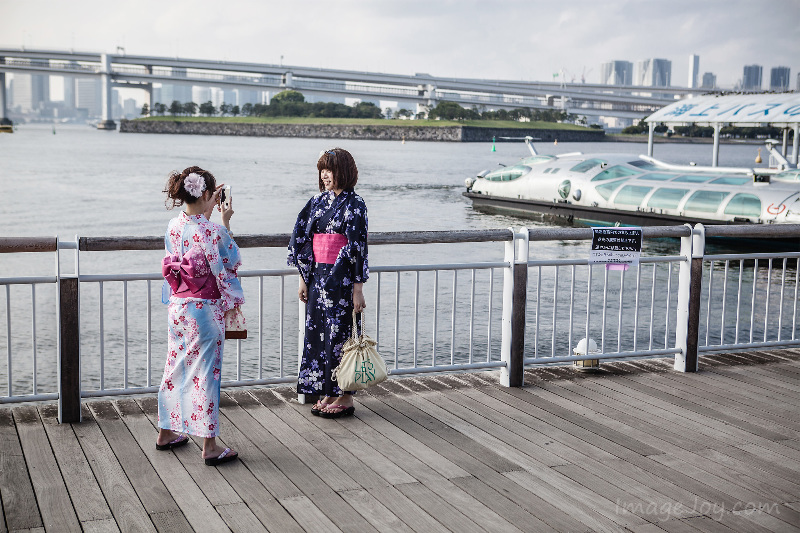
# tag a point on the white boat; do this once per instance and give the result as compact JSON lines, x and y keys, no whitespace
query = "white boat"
{"x":609,"y":189}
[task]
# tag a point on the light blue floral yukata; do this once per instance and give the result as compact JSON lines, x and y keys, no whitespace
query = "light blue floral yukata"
{"x":188,"y":399}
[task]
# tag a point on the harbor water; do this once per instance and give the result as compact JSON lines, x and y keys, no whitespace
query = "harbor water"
{"x":85,"y":182}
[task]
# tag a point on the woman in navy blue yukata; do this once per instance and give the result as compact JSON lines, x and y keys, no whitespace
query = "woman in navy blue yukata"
{"x":329,"y":248}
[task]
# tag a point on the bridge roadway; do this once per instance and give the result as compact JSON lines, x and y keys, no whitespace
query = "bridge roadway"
{"x":637,"y":447}
{"x":419,"y":89}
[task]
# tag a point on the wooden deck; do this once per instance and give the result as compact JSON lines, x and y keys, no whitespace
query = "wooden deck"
{"x":636,"y":447}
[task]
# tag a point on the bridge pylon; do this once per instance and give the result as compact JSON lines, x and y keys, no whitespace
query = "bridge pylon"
{"x":107,"y":123}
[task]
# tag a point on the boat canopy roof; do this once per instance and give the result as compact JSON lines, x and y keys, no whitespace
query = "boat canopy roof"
{"x":780,"y":110}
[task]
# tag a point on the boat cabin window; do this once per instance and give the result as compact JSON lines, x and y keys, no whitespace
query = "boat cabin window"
{"x":747,"y":205}
{"x":693,"y":178}
{"x":732,"y":180}
{"x":666,"y":198}
{"x":616,"y":172}
{"x":587,"y":165}
{"x":547,"y":171}
{"x":536,"y":159}
{"x":555,"y":170}
{"x":631,"y":195}
{"x":508,"y":173}
{"x":657,"y":176}
{"x":607,"y":189}
{"x":705,"y":201}
{"x":789,"y":175}
{"x":640,"y":163}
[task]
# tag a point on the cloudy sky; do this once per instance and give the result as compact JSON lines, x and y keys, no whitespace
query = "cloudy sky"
{"x":507,"y":39}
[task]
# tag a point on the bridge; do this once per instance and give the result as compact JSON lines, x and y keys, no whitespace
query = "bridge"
{"x":121,"y":70}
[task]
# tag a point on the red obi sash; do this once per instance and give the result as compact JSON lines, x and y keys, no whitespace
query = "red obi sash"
{"x":190,"y":276}
{"x":327,"y":246}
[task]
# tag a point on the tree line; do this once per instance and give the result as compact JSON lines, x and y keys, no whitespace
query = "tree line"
{"x":292,"y":104}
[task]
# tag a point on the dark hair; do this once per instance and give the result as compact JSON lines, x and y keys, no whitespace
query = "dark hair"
{"x":177,"y":195}
{"x":341,"y":163}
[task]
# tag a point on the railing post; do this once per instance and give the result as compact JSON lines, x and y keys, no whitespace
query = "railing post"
{"x":689,"y":287}
{"x":515,"y":290}
{"x":301,"y":336}
{"x":69,"y":368}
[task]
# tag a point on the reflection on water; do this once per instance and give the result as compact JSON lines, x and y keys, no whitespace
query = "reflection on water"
{"x":93,"y":183}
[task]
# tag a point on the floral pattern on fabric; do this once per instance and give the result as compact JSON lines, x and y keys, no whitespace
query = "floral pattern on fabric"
{"x":330,"y":287}
{"x":188,"y":399}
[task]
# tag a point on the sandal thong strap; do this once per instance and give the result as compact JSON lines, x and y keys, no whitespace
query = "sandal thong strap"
{"x":224,"y":453}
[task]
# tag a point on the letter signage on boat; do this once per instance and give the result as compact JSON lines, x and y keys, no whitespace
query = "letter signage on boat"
{"x":621,"y":246}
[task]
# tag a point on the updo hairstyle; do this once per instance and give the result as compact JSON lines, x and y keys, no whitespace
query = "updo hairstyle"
{"x":341,"y":163}
{"x":177,"y":194}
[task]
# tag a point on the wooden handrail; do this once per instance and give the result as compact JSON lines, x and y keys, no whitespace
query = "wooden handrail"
{"x":28,"y":244}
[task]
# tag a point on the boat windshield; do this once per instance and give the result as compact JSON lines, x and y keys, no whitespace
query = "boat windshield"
{"x":616,"y":172}
{"x":789,"y":175}
{"x":742,"y":204}
{"x":732,"y":180}
{"x":705,"y":201}
{"x":587,"y":165}
{"x":508,"y":173}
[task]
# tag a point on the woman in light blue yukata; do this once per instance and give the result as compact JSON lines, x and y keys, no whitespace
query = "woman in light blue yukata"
{"x":200,"y":269}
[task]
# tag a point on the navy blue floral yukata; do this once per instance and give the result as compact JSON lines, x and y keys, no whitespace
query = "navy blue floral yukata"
{"x":329,"y":309}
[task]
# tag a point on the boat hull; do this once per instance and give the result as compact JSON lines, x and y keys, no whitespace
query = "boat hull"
{"x":592,"y":216}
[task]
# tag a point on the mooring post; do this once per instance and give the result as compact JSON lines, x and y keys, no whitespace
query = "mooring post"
{"x":689,"y":287}
{"x":515,"y":290}
{"x":69,"y":369}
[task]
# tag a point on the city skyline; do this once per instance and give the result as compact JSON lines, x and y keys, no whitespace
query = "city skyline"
{"x":464,"y":39}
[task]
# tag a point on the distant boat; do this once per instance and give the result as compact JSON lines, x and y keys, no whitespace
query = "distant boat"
{"x":6,"y":128}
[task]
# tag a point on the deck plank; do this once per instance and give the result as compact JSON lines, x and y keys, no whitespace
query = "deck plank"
{"x":149,"y":488}
{"x":181,"y":490}
{"x":636,"y":447}
{"x":19,"y":507}
{"x":128,"y":511}
{"x":51,"y":492}
{"x":74,"y":466}
{"x":326,"y":499}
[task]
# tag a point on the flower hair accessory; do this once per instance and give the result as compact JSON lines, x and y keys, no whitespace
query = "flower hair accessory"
{"x":194,"y":184}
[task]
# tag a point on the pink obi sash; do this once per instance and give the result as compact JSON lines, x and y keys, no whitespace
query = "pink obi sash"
{"x":190,"y":276}
{"x":327,"y":246}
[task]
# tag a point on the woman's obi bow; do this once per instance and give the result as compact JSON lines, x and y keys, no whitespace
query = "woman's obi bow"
{"x":190,"y":276}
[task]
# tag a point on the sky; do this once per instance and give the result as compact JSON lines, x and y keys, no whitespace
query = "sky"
{"x":500,"y":39}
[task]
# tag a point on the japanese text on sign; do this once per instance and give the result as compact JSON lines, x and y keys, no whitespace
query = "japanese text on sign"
{"x":616,"y":245}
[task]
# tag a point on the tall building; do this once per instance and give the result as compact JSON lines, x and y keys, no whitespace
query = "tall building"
{"x":653,"y":73}
{"x":694,"y":69}
{"x":779,"y":79}
{"x":797,"y":87}
{"x":616,"y":73}
{"x":246,"y":96}
{"x":88,"y":96}
{"x":709,"y":81}
{"x":31,"y":92}
{"x":751,"y":80}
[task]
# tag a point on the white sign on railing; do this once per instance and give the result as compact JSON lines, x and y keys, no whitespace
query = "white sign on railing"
{"x":616,"y":247}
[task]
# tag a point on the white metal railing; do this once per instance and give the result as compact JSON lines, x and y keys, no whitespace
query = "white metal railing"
{"x":427,"y":318}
